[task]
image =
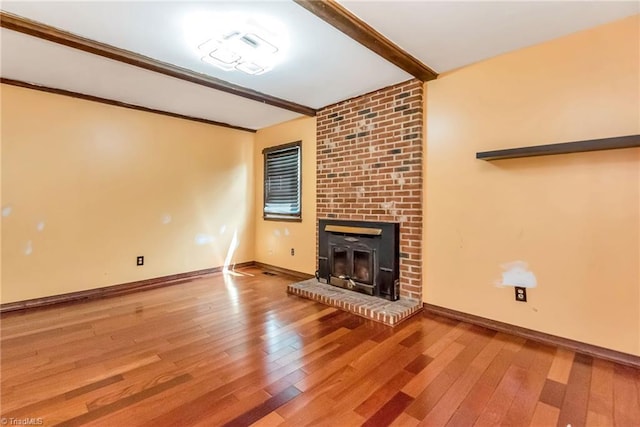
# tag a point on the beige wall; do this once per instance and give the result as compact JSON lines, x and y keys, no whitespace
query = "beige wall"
{"x":274,"y":239}
{"x":1,"y":185}
{"x":109,"y":184}
{"x":573,"y":218}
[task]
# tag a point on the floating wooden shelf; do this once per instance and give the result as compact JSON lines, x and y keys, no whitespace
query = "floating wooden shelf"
{"x":562,"y":148}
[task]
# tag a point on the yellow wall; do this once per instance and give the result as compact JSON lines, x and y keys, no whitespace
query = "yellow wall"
{"x":109,"y":184}
{"x":573,"y":218}
{"x":1,"y":185}
{"x":274,"y":239}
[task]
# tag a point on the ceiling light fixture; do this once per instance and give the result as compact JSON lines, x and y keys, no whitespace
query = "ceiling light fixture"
{"x":232,"y":43}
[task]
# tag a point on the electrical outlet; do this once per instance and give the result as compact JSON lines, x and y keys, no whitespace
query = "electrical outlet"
{"x":140,"y":260}
{"x":521,"y":294}
{"x":293,"y":251}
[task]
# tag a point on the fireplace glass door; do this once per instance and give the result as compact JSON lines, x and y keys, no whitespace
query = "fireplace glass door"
{"x":340,"y":258}
{"x":362,"y":266}
{"x":352,"y":263}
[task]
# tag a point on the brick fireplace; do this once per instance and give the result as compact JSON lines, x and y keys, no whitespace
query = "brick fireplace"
{"x":369,"y":156}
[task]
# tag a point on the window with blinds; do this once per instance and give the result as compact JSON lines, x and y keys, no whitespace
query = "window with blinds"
{"x":282,"y":182}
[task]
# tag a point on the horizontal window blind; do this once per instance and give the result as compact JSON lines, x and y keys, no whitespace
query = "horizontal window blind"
{"x":282,"y":181}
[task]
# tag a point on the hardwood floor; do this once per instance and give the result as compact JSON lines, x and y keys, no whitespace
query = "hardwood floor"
{"x":239,"y":351}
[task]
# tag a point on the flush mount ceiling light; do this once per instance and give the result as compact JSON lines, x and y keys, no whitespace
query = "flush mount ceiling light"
{"x":231,"y":43}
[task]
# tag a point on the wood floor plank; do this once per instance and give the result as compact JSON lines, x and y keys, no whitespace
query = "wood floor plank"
{"x":370,"y":387}
{"x":596,"y":419}
{"x":345,"y":419}
{"x":275,"y":387}
{"x":123,"y":403}
{"x":546,"y":415}
{"x":78,"y":401}
{"x":294,"y":325}
{"x":237,"y":350}
{"x":262,"y":410}
{"x":44,"y":406}
{"x":404,"y":420}
{"x":338,"y":362}
{"x":455,"y":395}
{"x":441,"y":344}
{"x":351,"y":387}
{"x":524,"y":404}
{"x":576,"y":400}
{"x":387,"y":379}
{"x":478,"y":397}
{"x":390,"y":411}
{"x":626,"y":408}
{"x":502,"y":397}
{"x":431,"y":371}
{"x":156,"y":405}
{"x":600,"y":407}
{"x":305,"y":409}
{"x":388,"y":356}
{"x":270,"y":420}
{"x":313,"y":351}
{"x":419,"y":363}
{"x":382,"y":394}
{"x":29,"y":393}
{"x":561,"y":366}
{"x":553,"y":393}
{"x":475,"y":339}
{"x":57,"y":413}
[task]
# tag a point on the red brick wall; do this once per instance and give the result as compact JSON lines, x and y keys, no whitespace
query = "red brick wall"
{"x":370,"y":168}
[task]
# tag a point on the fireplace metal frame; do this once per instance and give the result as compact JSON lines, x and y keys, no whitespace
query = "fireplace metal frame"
{"x":381,"y":239}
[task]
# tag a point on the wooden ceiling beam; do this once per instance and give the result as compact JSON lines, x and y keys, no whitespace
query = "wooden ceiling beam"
{"x":45,"y":32}
{"x":339,"y":17}
{"x":63,"y":92}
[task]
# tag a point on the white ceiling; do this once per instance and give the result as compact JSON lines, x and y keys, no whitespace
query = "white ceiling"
{"x":322,"y":66}
{"x":450,"y":34}
{"x":49,"y":64}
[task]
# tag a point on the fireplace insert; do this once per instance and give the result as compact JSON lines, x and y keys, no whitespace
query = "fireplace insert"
{"x":361,"y":256}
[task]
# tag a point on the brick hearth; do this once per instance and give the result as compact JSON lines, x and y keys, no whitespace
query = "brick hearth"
{"x":381,"y":310}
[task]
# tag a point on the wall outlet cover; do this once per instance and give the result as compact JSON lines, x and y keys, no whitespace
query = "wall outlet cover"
{"x":521,"y":294}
